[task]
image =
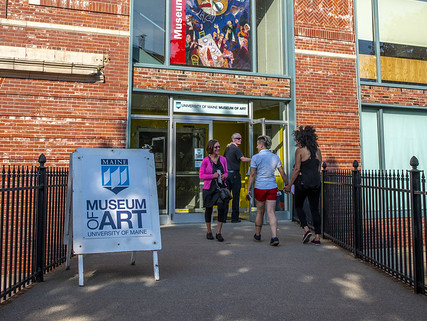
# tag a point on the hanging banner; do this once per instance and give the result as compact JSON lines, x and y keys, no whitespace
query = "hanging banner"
{"x":211,"y":33}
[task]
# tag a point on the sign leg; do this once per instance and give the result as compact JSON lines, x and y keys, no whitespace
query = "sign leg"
{"x":156,"y":266}
{"x":68,"y":258}
{"x":81,"y":275}
{"x":132,"y":258}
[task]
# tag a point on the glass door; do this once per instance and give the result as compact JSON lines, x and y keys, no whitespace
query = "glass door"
{"x":191,"y":139}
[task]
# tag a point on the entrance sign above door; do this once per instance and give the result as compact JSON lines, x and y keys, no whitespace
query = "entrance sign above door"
{"x":210,"y":107}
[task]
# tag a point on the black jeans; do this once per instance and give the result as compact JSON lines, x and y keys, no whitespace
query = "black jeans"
{"x":234,"y":184}
{"x":313,"y":195}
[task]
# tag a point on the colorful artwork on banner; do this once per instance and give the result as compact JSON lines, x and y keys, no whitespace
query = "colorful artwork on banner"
{"x":211,"y":33}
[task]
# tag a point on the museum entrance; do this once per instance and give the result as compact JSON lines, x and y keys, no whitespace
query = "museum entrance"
{"x":177,"y":130}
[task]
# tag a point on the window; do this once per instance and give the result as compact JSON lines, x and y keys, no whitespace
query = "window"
{"x":269,"y":36}
{"x":391,"y":137}
{"x":401,"y":41}
{"x":149,"y":24}
{"x":149,"y":104}
{"x":221,"y":34}
{"x":367,"y":58}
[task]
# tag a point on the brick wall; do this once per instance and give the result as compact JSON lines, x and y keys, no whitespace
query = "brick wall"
{"x":207,"y":82}
{"x":393,"y":95}
{"x":53,"y":116}
{"x":326,"y":84}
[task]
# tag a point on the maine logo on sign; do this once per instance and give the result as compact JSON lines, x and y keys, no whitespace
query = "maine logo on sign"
{"x":115,"y":174}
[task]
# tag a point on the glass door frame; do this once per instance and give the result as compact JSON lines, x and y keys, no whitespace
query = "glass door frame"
{"x":188,"y":217}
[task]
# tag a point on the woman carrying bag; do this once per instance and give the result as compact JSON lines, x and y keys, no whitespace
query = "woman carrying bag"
{"x":213,"y":171}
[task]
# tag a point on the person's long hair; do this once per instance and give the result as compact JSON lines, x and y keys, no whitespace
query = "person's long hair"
{"x":307,"y":137}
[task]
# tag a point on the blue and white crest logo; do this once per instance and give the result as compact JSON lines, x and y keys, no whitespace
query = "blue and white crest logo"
{"x":115,"y":174}
{"x":178,"y":105}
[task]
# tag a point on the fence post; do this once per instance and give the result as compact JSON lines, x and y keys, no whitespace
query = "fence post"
{"x":324,"y":173}
{"x":417,"y":233}
{"x":41,"y":220}
{"x":357,"y":211}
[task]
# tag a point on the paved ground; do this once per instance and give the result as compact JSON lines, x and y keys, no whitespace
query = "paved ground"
{"x":235,"y":280}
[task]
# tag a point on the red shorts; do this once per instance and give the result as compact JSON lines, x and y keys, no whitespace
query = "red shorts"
{"x":265,"y":194}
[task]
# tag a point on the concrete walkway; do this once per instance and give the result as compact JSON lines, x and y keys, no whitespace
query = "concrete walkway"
{"x":236,"y":280}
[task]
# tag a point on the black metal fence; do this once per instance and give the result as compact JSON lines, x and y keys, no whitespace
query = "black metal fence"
{"x":380,"y":216}
{"x":32,"y":211}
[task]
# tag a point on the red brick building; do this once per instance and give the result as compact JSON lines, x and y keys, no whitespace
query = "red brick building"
{"x":173,"y":74}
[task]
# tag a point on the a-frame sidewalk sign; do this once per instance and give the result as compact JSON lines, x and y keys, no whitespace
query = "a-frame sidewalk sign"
{"x":112,"y":204}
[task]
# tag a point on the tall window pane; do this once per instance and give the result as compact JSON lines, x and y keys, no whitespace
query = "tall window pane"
{"x":370,"y":140}
{"x":270,"y":36}
{"x":367,"y":59}
{"x":149,"y":31}
{"x":403,"y":41}
{"x":404,"y":137}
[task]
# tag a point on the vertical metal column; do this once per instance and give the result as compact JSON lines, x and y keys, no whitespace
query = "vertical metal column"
{"x":323,"y":199}
{"x":40,"y":240}
{"x":417,"y":226}
{"x":357,"y":211}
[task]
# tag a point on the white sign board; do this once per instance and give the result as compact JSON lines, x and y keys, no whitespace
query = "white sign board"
{"x":210,"y":107}
{"x":114,"y":201}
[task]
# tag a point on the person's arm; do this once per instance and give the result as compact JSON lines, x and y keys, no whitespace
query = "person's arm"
{"x":245,"y":159}
{"x":319,"y":157}
{"x":224,"y":165}
{"x":284,"y":177}
{"x":251,"y":180}
{"x":296,"y":171}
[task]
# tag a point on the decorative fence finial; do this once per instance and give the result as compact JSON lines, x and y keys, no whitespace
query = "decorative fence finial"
{"x":414,"y":162}
{"x":355,"y":165}
{"x":42,"y":160}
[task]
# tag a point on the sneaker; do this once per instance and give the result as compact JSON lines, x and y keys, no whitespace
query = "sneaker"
{"x":257,"y":237}
{"x":315,"y":242}
{"x":209,"y":236}
{"x":219,"y":238}
{"x":306,"y":237}
{"x":274,"y":241}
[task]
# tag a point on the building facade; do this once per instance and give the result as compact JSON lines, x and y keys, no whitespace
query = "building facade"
{"x":171,"y":74}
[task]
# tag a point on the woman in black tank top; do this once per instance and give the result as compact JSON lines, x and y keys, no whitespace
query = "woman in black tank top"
{"x":306,"y":179}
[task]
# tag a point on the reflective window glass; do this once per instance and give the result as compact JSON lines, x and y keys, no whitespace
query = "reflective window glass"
{"x":149,"y":104}
{"x":153,"y":134}
{"x":270,"y":36}
{"x":367,"y":59}
{"x":149,"y":25}
{"x":370,"y":155}
{"x":403,"y":41}
{"x":269,"y":109}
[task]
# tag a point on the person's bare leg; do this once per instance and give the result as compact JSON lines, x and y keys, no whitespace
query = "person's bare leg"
{"x":218,"y":228}
{"x":271,"y":212}
{"x":260,"y":208}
